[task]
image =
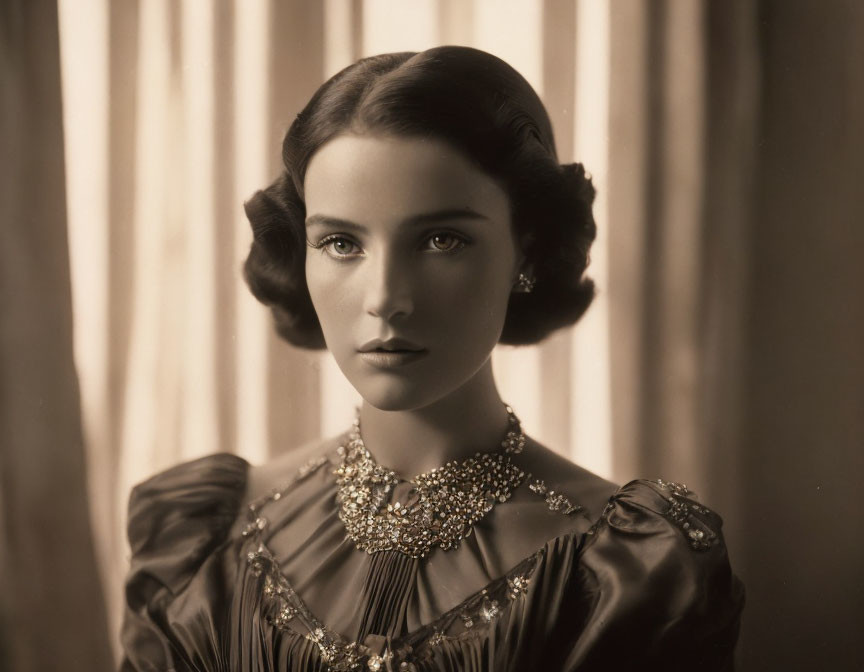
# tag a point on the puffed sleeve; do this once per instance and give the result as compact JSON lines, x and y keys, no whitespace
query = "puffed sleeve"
{"x":651,"y":588}
{"x":176,"y":520}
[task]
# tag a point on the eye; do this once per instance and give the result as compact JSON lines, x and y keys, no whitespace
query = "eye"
{"x":445,"y":241}
{"x":339,"y":247}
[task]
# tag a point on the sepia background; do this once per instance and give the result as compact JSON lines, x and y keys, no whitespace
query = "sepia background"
{"x":725,"y":349}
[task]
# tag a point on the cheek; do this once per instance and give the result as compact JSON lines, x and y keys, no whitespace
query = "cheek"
{"x":332,"y":299}
{"x":467,"y":300}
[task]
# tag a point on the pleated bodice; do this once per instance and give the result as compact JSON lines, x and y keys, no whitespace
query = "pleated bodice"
{"x":277,"y":586}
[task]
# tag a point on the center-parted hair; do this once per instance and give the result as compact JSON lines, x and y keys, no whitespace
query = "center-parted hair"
{"x":483,"y":108}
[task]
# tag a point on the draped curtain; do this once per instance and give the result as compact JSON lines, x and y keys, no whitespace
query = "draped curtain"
{"x":173,"y":113}
{"x":52,"y":612}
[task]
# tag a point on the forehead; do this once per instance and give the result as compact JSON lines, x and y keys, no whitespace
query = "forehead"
{"x":361,"y":177}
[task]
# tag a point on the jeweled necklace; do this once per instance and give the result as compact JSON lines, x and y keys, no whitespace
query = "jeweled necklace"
{"x":447,"y":501}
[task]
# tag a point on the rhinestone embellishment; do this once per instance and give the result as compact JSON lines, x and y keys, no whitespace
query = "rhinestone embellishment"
{"x":489,"y":610}
{"x":446,"y":502}
{"x":517,"y":585}
{"x":283,"y":608}
{"x":681,"y":512}
{"x":554,"y":500}
{"x":677,"y":489}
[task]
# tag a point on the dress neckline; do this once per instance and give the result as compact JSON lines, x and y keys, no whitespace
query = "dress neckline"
{"x":285,"y":604}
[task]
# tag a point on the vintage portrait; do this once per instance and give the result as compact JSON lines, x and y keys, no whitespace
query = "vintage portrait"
{"x":419,"y":335}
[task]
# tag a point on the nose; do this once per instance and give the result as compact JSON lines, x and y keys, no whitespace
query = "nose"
{"x":388,"y":293}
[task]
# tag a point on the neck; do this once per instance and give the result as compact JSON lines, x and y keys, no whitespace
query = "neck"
{"x":469,"y":420}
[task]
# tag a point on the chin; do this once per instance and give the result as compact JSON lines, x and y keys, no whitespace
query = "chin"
{"x":393,"y":395}
{"x":392,"y":400}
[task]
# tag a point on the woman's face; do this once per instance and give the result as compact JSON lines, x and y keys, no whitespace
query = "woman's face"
{"x":411,"y":263}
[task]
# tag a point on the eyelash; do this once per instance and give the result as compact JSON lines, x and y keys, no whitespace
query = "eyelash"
{"x":461,"y":242}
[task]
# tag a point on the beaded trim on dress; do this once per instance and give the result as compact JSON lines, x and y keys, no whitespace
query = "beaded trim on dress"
{"x":283,"y":607}
{"x":682,"y":510}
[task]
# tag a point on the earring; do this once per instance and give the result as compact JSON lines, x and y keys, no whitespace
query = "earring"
{"x":524,"y":284}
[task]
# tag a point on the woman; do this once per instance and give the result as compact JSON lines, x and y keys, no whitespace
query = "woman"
{"x":421,"y":219}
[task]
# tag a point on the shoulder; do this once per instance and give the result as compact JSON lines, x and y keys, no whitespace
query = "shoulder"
{"x":646,"y":520}
{"x":654,"y":570}
{"x":177,"y":519}
{"x":266,"y":477}
{"x":208,"y":488}
{"x":581,"y":487}
{"x":640,"y":505}
{"x":652,"y":539}
{"x":556,"y":502}
{"x":666,"y":512}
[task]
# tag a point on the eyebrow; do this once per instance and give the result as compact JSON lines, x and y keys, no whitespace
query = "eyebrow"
{"x":423,"y":218}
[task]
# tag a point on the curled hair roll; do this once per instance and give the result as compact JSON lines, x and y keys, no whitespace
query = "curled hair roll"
{"x":275,"y":266}
{"x":557,"y":251}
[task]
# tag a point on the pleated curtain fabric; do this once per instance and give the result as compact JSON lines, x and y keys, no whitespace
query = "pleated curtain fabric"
{"x":48,"y":571}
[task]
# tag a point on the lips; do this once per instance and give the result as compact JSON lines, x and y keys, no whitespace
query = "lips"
{"x":383,"y":359}
{"x":391,"y":345}
{"x":392,"y":353}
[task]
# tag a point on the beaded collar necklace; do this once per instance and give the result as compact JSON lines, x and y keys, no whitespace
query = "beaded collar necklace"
{"x":444,"y":503}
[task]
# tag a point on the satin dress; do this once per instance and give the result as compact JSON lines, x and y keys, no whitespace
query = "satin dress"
{"x":275,"y":585}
